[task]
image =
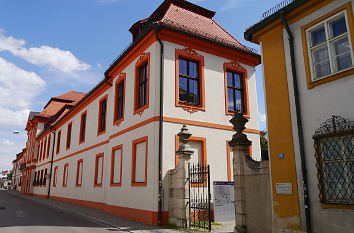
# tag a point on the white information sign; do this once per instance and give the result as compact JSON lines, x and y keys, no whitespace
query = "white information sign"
{"x":224,"y":204}
{"x":284,"y":188}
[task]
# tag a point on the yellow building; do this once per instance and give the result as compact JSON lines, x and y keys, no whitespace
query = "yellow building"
{"x":308,"y":67}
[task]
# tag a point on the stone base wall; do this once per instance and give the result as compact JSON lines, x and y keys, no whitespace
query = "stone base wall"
{"x":252,"y":193}
{"x":177,"y":193}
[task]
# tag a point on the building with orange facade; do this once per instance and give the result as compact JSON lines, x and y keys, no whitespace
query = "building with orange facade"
{"x":308,"y":67}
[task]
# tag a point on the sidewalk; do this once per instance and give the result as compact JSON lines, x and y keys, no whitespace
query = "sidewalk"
{"x":114,"y":223}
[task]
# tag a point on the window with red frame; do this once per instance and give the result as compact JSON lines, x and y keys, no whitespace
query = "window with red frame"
{"x":142,"y":86}
{"x":119,"y":101}
{"x":68,"y":136}
{"x":45,"y":177}
{"x":235,"y":92}
{"x":116,"y":165}
{"x":41,"y":152}
{"x":83,"y":127}
{"x":189,"y":84}
{"x":55,"y":176}
{"x":98,"y":170}
{"x":58,"y":142}
{"x":102,"y":115}
{"x":65,"y":175}
{"x":79,"y":173}
{"x":48,"y":148}
{"x":41,"y":180}
{"x":45,"y":147}
{"x":139,"y":162}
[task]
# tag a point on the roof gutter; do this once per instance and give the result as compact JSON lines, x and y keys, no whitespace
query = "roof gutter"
{"x":156,"y":28}
{"x":299,"y":124}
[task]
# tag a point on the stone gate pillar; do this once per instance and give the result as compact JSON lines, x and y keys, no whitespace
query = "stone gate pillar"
{"x":252,"y":184}
{"x":239,"y":145}
{"x":177,"y":202}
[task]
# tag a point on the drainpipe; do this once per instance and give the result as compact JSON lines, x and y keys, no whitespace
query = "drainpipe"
{"x":299,"y":126}
{"x":156,"y":28}
{"x":51,"y":164}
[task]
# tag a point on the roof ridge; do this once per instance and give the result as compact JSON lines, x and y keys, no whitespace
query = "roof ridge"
{"x":245,"y":47}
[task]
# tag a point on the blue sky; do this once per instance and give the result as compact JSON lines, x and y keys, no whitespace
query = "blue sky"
{"x":51,"y":47}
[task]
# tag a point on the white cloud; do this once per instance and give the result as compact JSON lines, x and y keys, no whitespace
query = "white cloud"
{"x":53,"y":58}
{"x":262,"y":117}
{"x":8,"y":152}
{"x":7,"y":142}
{"x":231,"y":4}
{"x":17,"y":87}
{"x":11,"y":117}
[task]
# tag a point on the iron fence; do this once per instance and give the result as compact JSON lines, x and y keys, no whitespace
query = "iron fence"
{"x":199,"y":196}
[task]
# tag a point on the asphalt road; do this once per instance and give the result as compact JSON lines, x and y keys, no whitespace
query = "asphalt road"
{"x":19,"y":215}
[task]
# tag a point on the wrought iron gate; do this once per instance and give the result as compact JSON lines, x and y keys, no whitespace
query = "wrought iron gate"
{"x":199,"y":196}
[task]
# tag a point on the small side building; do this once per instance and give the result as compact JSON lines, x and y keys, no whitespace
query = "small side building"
{"x":308,"y":67}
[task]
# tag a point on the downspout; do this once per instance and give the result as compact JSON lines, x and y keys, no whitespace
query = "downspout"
{"x":51,"y":164}
{"x":156,"y":28}
{"x":299,"y":126}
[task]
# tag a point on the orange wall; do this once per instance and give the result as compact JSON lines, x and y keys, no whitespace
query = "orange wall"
{"x":285,"y":206}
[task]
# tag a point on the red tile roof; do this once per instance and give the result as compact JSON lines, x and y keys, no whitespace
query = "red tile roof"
{"x":190,"y":18}
{"x":70,"y":96}
{"x":57,"y":103}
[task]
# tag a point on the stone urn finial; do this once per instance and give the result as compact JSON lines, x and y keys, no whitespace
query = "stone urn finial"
{"x":184,"y":149}
{"x":239,"y":138}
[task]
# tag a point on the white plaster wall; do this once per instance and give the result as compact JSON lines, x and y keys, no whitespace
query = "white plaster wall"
{"x":126,"y":195}
{"x":214,"y":90}
{"x":317,"y":105}
{"x":214,"y":113}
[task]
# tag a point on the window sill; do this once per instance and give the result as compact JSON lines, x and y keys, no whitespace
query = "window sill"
{"x":232,"y":113}
{"x":337,"y":206}
{"x":191,"y":108}
{"x":98,"y":185}
{"x":141,"y":110}
{"x":115,"y":184}
{"x":138,"y":184}
{"x":342,"y":74}
{"x":118,"y":122}
{"x":100,"y":133}
{"x":78,"y":185}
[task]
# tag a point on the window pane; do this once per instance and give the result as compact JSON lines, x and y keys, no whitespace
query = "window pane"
{"x":193,"y":91}
{"x":230,"y":98}
{"x":237,"y":80}
{"x":320,"y":54}
{"x":229,"y":79}
{"x":182,"y":66}
{"x":342,"y":56}
{"x":239,"y":101}
{"x":193,"y":69}
{"x":338,"y":27}
{"x":183,"y":95}
{"x":322,"y":69}
{"x":318,"y":36}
